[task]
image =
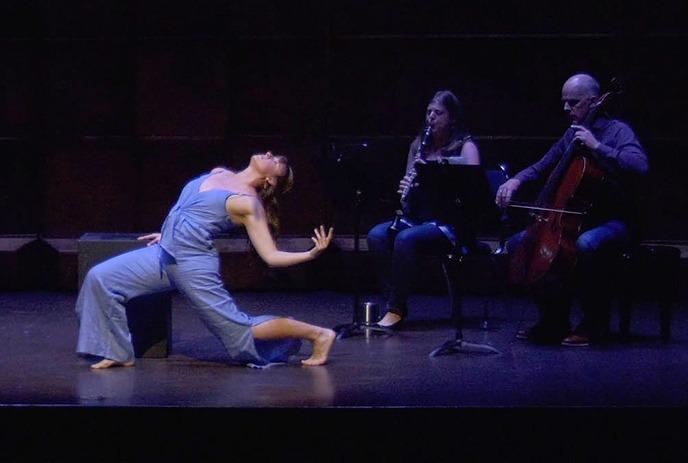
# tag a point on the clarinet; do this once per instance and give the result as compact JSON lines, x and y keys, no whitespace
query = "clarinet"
{"x":418,"y":157}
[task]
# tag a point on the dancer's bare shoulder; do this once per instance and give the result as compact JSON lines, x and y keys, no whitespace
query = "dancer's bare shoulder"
{"x":219,"y":170}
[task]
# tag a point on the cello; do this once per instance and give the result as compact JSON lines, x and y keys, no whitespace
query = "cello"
{"x":549,"y":242}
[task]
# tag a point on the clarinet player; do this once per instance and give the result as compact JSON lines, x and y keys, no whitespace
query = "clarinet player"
{"x":397,"y":244}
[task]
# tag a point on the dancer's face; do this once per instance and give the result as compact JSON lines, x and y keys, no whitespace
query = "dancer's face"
{"x":269,"y":164}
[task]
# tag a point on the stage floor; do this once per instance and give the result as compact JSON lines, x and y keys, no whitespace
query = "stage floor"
{"x":38,"y":365}
{"x":374,"y":390}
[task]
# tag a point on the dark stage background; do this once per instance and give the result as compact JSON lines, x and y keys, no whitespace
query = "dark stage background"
{"x":107,"y":108}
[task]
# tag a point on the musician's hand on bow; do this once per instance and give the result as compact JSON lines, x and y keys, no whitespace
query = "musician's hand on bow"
{"x":585,"y":137}
{"x":506,"y":191}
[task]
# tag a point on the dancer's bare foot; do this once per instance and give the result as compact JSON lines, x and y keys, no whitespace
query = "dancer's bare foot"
{"x":107,"y":363}
{"x":321,"y":348}
{"x":390,"y":319}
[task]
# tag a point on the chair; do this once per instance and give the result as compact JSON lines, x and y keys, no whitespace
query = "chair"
{"x":454,"y":264}
{"x":649,"y":272}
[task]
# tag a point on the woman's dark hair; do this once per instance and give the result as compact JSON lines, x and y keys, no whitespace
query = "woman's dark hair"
{"x":269,"y":195}
{"x":454,"y":108}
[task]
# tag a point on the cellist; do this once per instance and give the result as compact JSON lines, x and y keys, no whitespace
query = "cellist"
{"x":608,"y":226}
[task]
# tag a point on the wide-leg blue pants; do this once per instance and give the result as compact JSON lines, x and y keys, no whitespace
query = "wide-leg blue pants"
{"x":103,"y":329}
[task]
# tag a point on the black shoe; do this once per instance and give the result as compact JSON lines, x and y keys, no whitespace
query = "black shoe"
{"x":394,"y":326}
{"x":523,"y":334}
{"x":542,"y":334}
{"x":576,"y":340}
{"x":584,"y":335}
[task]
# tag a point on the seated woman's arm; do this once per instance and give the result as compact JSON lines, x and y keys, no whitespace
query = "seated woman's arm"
{"x":470,"y":154}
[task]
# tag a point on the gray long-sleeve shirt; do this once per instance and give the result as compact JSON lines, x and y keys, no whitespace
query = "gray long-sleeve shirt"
{"x":620,"y":155}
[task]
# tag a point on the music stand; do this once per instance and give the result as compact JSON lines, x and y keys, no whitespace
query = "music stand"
{"x":460,"y":195}
{"x":349,"y":166}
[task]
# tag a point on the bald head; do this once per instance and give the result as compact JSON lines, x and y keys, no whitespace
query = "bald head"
{"x":582,"y":85}
{"x":577,"y":94}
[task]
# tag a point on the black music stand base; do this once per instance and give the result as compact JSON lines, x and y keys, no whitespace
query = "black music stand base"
{"x":456,"y":346}
{"x":360,"y":329}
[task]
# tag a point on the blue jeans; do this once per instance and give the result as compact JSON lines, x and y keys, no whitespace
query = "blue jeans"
{"x":396,"y":256}
{"x":596,"y":249}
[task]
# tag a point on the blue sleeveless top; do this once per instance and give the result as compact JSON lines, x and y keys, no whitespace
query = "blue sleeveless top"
{"x":194,"y":221}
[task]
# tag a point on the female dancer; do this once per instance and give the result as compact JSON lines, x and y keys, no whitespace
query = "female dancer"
{"x":183,"y":256}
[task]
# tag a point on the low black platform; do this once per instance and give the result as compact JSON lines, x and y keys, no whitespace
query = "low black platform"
{"x":149,"y":316}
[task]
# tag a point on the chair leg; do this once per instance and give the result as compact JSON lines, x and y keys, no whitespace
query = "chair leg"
{"x":665,"y":313}
{"x":495,"y":277}
{"x":485,"y":324}
{"x":624,"y":317}
{"x":670,"y":295}
{"x":625,"y":291}
{"x":452,"y":274}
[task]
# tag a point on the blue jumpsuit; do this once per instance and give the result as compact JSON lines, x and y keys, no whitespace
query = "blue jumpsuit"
{"x":185,"y":259}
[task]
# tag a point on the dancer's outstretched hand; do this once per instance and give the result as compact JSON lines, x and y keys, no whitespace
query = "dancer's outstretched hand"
{"x":321,"y":240}
{"x":152,"y":238}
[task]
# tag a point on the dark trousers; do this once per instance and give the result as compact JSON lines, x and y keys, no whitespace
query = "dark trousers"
{"x":396,"y":256}
{"x":593,"y":280}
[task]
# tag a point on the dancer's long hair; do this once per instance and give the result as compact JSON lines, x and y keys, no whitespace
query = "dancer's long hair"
{"x":270,"y":194}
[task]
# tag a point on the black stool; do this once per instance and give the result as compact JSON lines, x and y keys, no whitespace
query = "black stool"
{"x":649,"y":272}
